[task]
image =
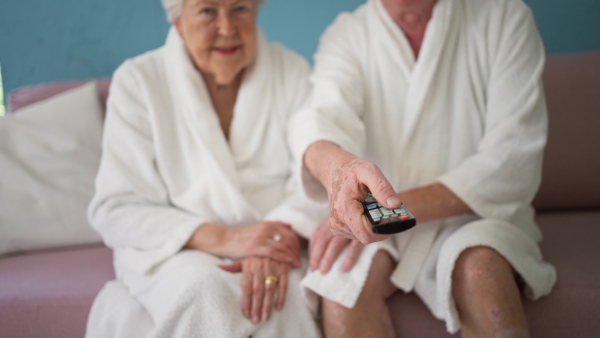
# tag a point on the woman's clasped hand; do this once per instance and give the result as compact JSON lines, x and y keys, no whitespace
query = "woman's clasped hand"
{"x":264,"y":252}
{"x":264,"y":285}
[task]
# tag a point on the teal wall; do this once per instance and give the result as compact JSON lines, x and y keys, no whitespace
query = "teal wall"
{"x":47,"y":40}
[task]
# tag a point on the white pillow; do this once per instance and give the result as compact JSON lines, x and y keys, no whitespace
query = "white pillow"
{"x":49,"y":155}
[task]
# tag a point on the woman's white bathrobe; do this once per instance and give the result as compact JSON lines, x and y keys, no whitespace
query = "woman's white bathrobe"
{"x":469,"y":113}
{"x":167,"y":168}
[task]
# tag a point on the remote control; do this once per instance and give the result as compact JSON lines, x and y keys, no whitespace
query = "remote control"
{"x":387,"y":221}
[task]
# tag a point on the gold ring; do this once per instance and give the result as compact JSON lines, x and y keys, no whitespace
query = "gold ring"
{"x":271,"y":280}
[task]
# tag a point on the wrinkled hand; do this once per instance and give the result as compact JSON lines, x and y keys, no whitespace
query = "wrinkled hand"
{"x":324,"y":249}
{"x":350,"y":179}
{"x":259,"y":239}
{"x":258,"y":298}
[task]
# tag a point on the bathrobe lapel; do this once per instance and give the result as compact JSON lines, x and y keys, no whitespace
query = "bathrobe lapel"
{"x":410,"y":113}
{"x":253,"y":108}
{"x":419,"y":73}
{"x":218,"y":158}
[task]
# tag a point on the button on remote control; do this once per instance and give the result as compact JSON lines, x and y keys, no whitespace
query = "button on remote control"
{"x":387,"y":221}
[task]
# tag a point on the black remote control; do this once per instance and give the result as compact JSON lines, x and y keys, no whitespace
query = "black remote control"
{"x":387,"y":221}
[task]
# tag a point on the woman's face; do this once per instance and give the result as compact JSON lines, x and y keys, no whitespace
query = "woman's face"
{"x":220,"y":36}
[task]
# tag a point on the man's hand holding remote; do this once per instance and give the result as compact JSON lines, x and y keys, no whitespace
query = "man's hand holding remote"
{"x":347,"y":180}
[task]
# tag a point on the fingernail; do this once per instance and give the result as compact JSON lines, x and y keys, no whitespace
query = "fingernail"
{"x":364,"y":221}
{"x":392,"y":201}
{"x":255,"y":319}
{"x":264,"y":317}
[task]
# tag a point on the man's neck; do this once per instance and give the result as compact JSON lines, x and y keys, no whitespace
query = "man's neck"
{"x":412,"y":17}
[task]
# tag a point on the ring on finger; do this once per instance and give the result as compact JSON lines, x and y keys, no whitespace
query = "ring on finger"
{"x":277,"y":238}
{"x":271,"y":280}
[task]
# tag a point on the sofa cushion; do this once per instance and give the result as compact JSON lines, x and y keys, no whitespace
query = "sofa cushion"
{"x":572,"y":160}
{"x":49,"y":294}
{"x":570,"y":243}
{"x":49,"y":155}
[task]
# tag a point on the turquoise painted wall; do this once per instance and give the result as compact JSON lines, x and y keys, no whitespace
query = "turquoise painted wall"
{"x":48,"y":40}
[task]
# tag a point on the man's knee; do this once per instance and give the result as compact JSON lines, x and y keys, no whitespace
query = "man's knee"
{"x":378,"y":282}
{"x":480,"y":266}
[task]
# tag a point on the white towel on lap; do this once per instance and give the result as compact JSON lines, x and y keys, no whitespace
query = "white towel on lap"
{"x":345,"y":287}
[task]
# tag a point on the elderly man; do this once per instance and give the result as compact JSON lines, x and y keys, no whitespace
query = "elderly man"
{"x":444,"y":99}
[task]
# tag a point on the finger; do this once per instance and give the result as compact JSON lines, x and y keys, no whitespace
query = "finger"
{"x":283,"y":282}
{"x":268,"y":252}
{"x":289,"y":242}
{"x":246,"y":294}
{"x":317,"y":246}
{"x":268,"y":301}
{"x":258,"y":284}
{"x":335,"y":247}
{"x":380,"y":187}
{"x":354,"y":251}
{"x":290,"y":238}
{"x":358,"y":223}
{"x":233,"y":267}
{"x":287,"y":237}
{"x":284,"y":246}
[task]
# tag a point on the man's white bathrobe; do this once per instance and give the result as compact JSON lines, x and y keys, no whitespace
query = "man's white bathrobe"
{"x":167,"y":168}
{"x":469,"y":113}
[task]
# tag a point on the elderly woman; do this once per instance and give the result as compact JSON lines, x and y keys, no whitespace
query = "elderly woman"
{"x":195,"y":193}
{"x":445,"y":99}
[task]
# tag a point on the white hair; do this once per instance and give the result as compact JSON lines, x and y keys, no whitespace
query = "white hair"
{"x":173,"y":8}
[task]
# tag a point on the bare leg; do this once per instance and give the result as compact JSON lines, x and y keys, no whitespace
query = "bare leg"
{"x":487,"y":296}
{"x":370,"y":316}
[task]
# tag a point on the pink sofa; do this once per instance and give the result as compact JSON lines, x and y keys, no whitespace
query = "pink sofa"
{"x":49,"y":293}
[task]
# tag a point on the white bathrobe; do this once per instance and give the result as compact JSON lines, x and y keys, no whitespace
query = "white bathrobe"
{"x":167,"y":168}
{"x":469,"y":113}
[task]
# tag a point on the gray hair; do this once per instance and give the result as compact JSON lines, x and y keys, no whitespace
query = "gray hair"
{"x":174,"y":8}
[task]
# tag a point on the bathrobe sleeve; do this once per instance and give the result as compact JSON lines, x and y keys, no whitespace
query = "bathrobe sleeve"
{"x":505,"y":172}
{"x":296,"y":209}
{"x":334,"y":109}
{"x":131,"y":208}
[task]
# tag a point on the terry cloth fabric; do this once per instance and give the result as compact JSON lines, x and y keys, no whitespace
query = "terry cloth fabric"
{"x":469,"y":113}
{"x":167,"y":168}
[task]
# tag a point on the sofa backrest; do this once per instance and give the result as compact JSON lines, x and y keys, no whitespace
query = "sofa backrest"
{"x":571,"y":176}
{"x":24,"y":96}
{"x":571,"y":172}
